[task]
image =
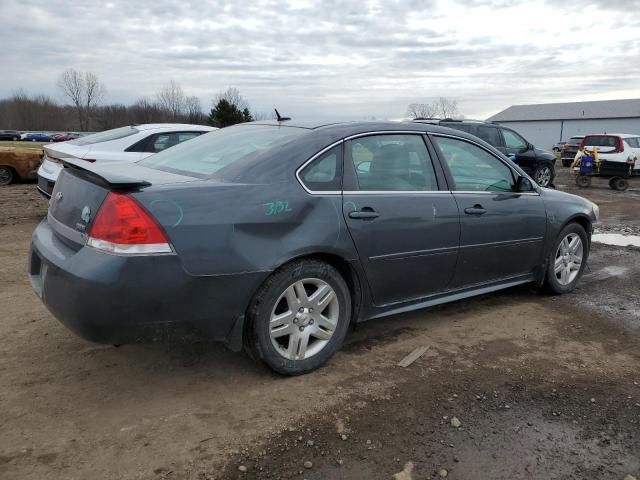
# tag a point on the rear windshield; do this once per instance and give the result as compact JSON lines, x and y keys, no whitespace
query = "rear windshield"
{"x":601,"y":141}
{"x":204,"y":156}
{"x":107,"y":136}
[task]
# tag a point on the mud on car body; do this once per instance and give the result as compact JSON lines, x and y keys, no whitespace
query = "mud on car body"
{"x":277,"y":236}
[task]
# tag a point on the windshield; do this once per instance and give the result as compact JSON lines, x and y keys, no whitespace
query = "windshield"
{"x":106,"y":136}
{"x":209,"y":153}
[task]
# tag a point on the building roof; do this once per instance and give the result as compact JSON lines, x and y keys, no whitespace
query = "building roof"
{"x":629,"y":108}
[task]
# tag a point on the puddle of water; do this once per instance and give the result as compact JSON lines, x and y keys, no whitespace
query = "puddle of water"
{"x":608,"y":272}
{"x":617,"y":239}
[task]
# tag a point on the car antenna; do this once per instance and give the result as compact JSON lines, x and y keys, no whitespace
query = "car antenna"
{"x":281,"y":118}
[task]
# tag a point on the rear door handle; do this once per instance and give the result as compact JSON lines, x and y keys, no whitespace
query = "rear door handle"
{"x":475,"y":210}
{"x":365,"y":213}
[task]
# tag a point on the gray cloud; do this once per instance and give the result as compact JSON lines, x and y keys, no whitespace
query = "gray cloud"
{"x":330,"y":58}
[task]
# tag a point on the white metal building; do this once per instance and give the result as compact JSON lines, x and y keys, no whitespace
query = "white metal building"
{"x":545,"y":124}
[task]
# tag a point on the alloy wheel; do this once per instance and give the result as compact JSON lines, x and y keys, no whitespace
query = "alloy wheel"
{"x":568,"y":259}
{"x":544,"y":176}
{"x":304,"y":319}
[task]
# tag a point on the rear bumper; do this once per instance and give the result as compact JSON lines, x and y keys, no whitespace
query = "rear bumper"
{"x":114,"y":299}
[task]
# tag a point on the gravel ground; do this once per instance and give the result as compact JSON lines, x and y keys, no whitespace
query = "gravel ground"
{"x":540,"y":387}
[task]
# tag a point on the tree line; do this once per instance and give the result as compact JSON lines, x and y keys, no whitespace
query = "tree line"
{"x":85,"y":109}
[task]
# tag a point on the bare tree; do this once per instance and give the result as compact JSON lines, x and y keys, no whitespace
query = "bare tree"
{"x":171,"y":98}
{"x":193,"y":109}
{"x":84,"y":90}
{"x":232,"y":95}
{"x":420,"y":110}
{"x":441,"y":108}
{"x":446,"y":108}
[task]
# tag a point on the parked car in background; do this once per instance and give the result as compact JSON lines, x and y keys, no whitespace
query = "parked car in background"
{"x":12,"y":135}
{"x":36,"y":137}
{"x":18,"y":164}
{"x":279,"y":235}
{"x":568,"y":154}
{"x":536,"y":162}
{"x":65,"y":137}
{"x":129,"y":144}
{"x":559,"y":146}
{"x":617,"y":152}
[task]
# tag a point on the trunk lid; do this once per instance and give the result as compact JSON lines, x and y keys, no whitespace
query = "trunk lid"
{"x":82,"y":187}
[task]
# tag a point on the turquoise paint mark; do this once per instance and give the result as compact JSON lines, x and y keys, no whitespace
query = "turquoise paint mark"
{"x":276,"y":207}
{"x":170,"y":202}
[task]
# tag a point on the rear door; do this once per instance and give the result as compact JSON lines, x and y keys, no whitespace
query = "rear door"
{"x":403,"y":221}
{"x":502,"y":231}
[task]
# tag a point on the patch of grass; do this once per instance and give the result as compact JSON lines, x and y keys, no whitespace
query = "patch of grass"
{"x":22,"y":144}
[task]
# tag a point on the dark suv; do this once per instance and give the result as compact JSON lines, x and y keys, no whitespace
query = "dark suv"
{"x":9,"y":135}
{"x":540,"y":164}
{"x":570,"y":149}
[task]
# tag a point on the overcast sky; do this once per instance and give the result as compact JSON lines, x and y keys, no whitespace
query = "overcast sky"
{"x":342,"y":59}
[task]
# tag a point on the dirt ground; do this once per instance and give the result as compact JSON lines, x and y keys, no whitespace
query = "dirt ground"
{"x":542,"y":387}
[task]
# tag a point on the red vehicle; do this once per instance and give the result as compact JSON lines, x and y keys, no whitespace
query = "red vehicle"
{"x":63,"y":137}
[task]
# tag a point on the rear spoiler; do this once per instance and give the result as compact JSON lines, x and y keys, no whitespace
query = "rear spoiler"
{"x":108,"y":174}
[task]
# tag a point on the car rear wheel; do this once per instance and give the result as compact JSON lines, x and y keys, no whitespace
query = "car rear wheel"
{"x":567,"y":259}
{"x":299,"y":317}
{"x":6,"y":175}
{"x":15,"y":139}
{"x":543,"y":175}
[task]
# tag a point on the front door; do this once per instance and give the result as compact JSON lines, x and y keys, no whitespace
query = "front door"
{"x":502,"y":231}
{"x":405,"y":229}
{"x":519,"y":149}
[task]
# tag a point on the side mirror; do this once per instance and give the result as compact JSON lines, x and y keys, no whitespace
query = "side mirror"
{"x":523,"y":184}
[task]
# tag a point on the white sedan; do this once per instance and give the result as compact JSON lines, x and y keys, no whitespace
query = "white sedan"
{"x":128,"y":144}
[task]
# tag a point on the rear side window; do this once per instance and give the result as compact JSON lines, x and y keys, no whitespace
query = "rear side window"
{"x":324,"y":173}
{"x":491,"y":135}
{"x":473,"y":168}
{"x":107,"y":136}
{"x":459,"y":126}
{"x":393,"y":163}
{"x":601,"y":141}
{"x":206,"y":155}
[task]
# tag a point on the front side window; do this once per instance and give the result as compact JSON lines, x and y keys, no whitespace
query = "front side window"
{"x":513,"y":140}
{"x":392,"y":163}
{"x":473,"y":168}
{"x":324,"y":173}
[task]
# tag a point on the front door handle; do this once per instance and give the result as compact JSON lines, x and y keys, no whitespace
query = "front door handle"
{"x":365,"y":213}
{"x":475,"y":210}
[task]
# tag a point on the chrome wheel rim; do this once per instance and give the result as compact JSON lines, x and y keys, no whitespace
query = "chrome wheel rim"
{"x":304,"y":318}
{"x":544,"y":176}
{"x":568,"y":259}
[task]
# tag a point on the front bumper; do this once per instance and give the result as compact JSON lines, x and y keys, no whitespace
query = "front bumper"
{"x":138,"y":299}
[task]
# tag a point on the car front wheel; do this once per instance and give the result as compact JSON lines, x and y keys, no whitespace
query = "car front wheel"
{"x":543,"y":175}
{"x":6,"y":175}
{"x":299,"y":317}
{"x":567,"y":259}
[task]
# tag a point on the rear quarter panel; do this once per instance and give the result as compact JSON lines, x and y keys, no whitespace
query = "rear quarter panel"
{"x":223,"y":229}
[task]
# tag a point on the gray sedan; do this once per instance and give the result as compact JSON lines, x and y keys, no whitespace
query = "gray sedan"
{"x":277,"y":236}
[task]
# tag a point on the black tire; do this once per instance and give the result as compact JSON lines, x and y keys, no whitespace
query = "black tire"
{"x":583,"y":181}
{"x":544,"y":174}
{"x":552,"y":283}
{"x":619,"y":183}
{"x":6,"y":176}
{"x":257,"y":330}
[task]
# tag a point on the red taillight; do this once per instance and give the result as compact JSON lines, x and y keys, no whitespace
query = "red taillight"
{"x":565,"y":147}
{"x":123,"y":226}
{"x":53,"y":159}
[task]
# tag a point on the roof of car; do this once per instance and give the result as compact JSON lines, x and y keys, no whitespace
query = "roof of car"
{"x":154,"y":126}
